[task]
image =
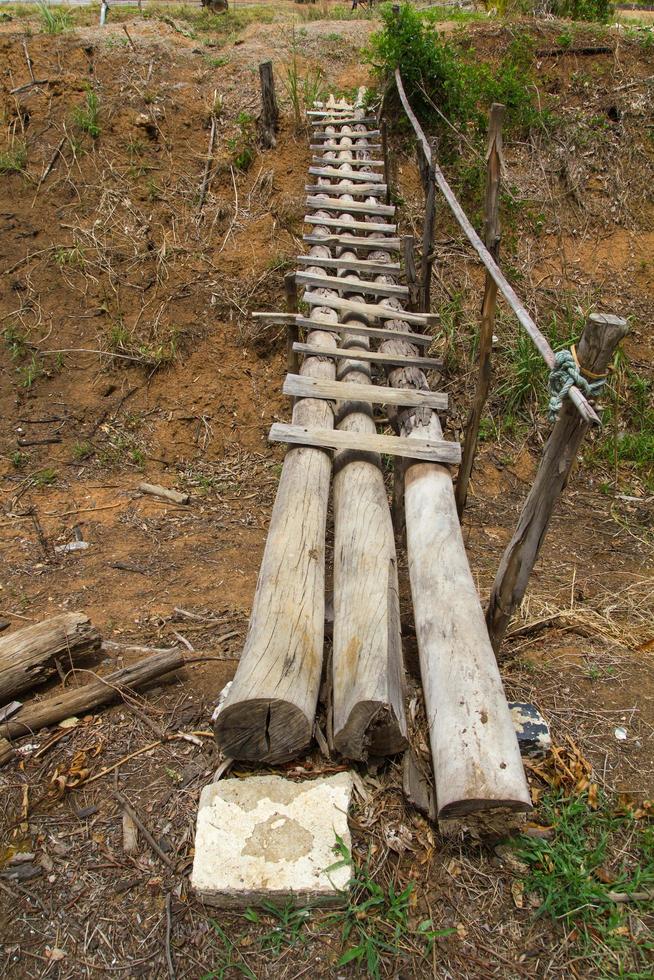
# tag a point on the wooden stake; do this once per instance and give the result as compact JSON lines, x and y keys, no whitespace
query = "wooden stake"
{"x":269,"y":119}
{"x":487,"y":324}
{"x":410,"y":274}
{"x":601,"y":336}
{"x":293,"y":333}
{"x":204,"y":186}
{"x":428,"y":234}
{"x":387,"y":169}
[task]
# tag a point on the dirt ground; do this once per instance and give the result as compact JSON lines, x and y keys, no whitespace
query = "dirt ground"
{"x":129,"y":355}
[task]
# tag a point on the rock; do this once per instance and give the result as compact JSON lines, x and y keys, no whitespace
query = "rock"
{"x":532,"y":730}
{"x":270,"y":839}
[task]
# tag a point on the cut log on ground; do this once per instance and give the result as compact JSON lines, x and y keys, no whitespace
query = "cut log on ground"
{"x":29,"y":656}
{"x":102,"y":690}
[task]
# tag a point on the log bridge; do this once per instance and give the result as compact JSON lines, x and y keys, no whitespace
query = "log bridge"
{"x":353,"y":287}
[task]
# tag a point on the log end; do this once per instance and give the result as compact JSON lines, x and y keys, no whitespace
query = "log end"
{"x":263,"y":730}
{"x":372,"y":729}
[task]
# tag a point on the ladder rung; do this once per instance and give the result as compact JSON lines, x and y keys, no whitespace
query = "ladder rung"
{"x":303,"y":387}
{"x":342,"y":284}
{"x":350,"y":175}
{"x":325,"y":148}
{"x":350,"y":207}
{"x":344,"y":122}
{"x":427,"y":450}
{"x":358,"y":265}
{"x":358,"y":329}
{"x":368,"y":309}
{"x":350,"y":163}
{"x":367,"y":226}
{"x":351,"y":241}
{"x":354,"y":190}
{"x":341,"y":136}
{"x":373,"y":357}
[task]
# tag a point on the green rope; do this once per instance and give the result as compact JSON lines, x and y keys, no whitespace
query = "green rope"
{"x":563,"y":376}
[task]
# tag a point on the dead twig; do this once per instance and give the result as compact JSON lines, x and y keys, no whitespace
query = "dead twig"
{"x":127,"y":806}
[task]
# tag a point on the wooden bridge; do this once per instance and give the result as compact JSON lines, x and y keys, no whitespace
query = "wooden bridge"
{"x":353,"y":286}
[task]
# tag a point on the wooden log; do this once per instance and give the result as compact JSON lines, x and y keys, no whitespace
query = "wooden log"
{"x":485,"y":345}
{"x":29,"y":656}
{"x":475,"y":752}
{"x":269,"y":119}
{"x":600,"y":337}
{"x":346,"y":284}
{"x":340,"y":121}
{"x":268,"y":714}
{"x":434,"y":450}
{"x":364,"y":309}
{"x":352,"y":241}
{"x":382,"y":228}
{"x":356,"y":265}
{"x":330,"y":157}
{"x":357,"y":148}
{"x":353,"y":136}
{"x":349,"y":207}
{"x":340,"y":391}
{"x":381,"y":357}
{"x":367,"y":670}
{"x":154,"y":490}
{"x":78,"y":700}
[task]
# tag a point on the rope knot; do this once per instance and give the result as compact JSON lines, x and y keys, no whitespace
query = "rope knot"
{"x":566,"y":373}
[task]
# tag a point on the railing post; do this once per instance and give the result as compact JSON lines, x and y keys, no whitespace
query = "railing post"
{"x":293,"y":335}
{"x":600,"y":337}
{"x":410,"y":273}
{"x":492,"y":243}
{"x":428,"y":230}
{"x":268,"y":120}
{"x":386,"y":158}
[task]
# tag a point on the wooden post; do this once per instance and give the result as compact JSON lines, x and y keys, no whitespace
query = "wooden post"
{"x":385,"y":157}
{"x":599,"y":340}
{"x":268,"y":120}
{"x":492,"y":243}
{"x":410,"y":274}
{"x":428,"y":233}
{"x":293,"y":334}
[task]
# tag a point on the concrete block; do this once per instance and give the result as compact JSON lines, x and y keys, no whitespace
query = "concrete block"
{"x":270,"y":839}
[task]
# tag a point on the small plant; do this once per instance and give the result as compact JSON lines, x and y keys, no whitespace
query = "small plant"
{"x":71,"y":257}
{"x":29,"y":373}
{"x":19,"y":460}
{"x":242,"y":146}
{"x":45,"y":478}
{"x":135,"y":147}
{"x":302,"y":90}
{"x":55,"y":20}
{"x":15,"y":342}
{"x":13,"y":159}
{"x":87,"y":117}
{"x":287,"y":930}
{"x":154,"y":191}
{"x":82,"y":451}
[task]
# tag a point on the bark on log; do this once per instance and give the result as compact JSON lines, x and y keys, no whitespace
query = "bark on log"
{"x":28,"y":656}
{"x":601,"y":336}
{"x":268,"y":120}
{"x":103,"y":690}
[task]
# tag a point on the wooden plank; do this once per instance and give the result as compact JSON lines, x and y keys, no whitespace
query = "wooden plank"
{"x":339,"y":121}
{"x":352,"y":354}
{"x":426,"y":450}
{"x":358,"y":265}
{"x":354,"y":190}
{"x":350,"y":175}
{"x":341,"y":283}
{"x":350,"y":207}
{"x":350,"y":163}
{"x":381,"y":228}
{"x":369,"y":309}
{"x":340,"y":391}
{"x":423,"y":340}
{"x":351,"y":241}
{"x":325,"y":147}
{"x":340,"y":136}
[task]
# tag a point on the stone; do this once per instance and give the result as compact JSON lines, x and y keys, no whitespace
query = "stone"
{"x":532,"y":730}
{"x":271,"y":839}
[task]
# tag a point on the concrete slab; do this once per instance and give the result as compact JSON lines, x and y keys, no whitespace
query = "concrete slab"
{"x":270,"y":839}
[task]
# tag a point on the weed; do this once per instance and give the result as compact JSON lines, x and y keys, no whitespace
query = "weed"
{"x":54,"y":20}
{"x":15,"y":342}
{"x":376,"y":921}
{"x":242,"y":145}
{"x":302,"y":90}
{"x":82,"y":451}
{"x":287,"y":931}
{"x":71,"y":257}
{"x":19,"y":460}
{"x":45,"y":478}
{"x":593,"y":10}
{"x":87,"y":116}
{"x":29,"y":373}
{"x":597,"y":851}
{"x":153,"y":191}
{"x":215,"y":62}
{"x":233,"y":958}
{"x":14,"y":158}
{"x":135,"y":147}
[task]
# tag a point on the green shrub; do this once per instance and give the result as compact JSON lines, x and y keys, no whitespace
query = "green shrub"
{"x":595,"y":10}
{"x":442,"y":79}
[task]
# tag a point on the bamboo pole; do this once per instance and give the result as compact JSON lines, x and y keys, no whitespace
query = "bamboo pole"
{"x":487,"y":323}
{"x":600,"y":337}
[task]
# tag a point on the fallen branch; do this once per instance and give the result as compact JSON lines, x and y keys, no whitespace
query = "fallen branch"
{"x":156,"y":491}
{"x":129,"y":809}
